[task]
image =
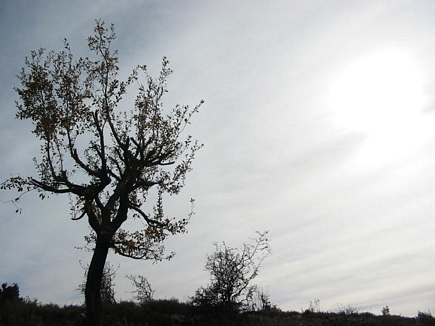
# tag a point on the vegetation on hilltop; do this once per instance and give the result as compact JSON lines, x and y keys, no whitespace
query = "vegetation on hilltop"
{"x":15,"y":310}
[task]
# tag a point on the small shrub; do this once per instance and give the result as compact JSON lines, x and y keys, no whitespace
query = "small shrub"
{"x":143,"y":291}
{"x":386,"y":311}
{"x":314,"y":306}
{"x":425,"y":318}
{"x":10,"y":293}
{"x":261,"y":302}
{"x":347,"y":310}
{"x":231,"y":272}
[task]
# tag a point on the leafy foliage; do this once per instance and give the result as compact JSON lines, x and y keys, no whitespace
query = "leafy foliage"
{"x":231,"y":272}
{"x":10,"y":293}
{"x":74,"y":103}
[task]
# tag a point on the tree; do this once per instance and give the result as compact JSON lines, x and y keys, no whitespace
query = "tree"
{"x":106,"y":159}
{"x":385,"y":311}
{"x":261,"y":302}
{"x":10,"y":293}
{"x":143,"y":291}
{"x":107,"y":291}
{"x":231,"y":272}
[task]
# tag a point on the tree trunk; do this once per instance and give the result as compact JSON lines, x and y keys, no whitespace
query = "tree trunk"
{"x":93,"y":284}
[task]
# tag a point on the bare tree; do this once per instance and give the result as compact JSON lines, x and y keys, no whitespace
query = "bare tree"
{"x":106,"y":159}
{"x":143,"y":291}
{"x":231,"y":272}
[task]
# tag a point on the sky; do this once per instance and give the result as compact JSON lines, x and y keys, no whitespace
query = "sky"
{"x":317,"y":126}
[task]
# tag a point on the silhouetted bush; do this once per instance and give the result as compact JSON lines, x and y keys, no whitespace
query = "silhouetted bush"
{"x":231,"y":272}
{"x":425,"y":318}
{"x":10,"y":293}
{"x":28,"y":312}
{"x":143,"y":291}
{"x":16,"y":311}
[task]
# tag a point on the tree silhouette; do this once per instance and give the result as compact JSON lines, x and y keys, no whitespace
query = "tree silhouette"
{"x":231,"y":272}
{"x":107,"y":291}
{"x":10,"y":293}
{"x":143,"y":291}
{"x":106,"y":159}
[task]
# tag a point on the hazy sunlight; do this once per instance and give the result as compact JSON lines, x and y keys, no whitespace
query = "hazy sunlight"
{"x":381,"y":95}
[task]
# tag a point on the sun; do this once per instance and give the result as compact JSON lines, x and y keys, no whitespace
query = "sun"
{"x":380,"y":95}
{"x":377,"y":92}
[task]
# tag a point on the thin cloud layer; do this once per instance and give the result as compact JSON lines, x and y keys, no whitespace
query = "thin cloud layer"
{"x":349,"y":211}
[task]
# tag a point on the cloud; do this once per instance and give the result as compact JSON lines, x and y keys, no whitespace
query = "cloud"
{"x":345,"y":228}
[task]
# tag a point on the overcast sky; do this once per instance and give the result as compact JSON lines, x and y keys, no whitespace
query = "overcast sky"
{"x":318,"y":126}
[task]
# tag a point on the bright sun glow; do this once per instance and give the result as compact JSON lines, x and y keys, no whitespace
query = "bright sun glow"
{"x":381,"y":95}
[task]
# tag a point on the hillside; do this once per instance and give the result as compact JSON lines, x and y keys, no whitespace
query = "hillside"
{"x":26,"y":312}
